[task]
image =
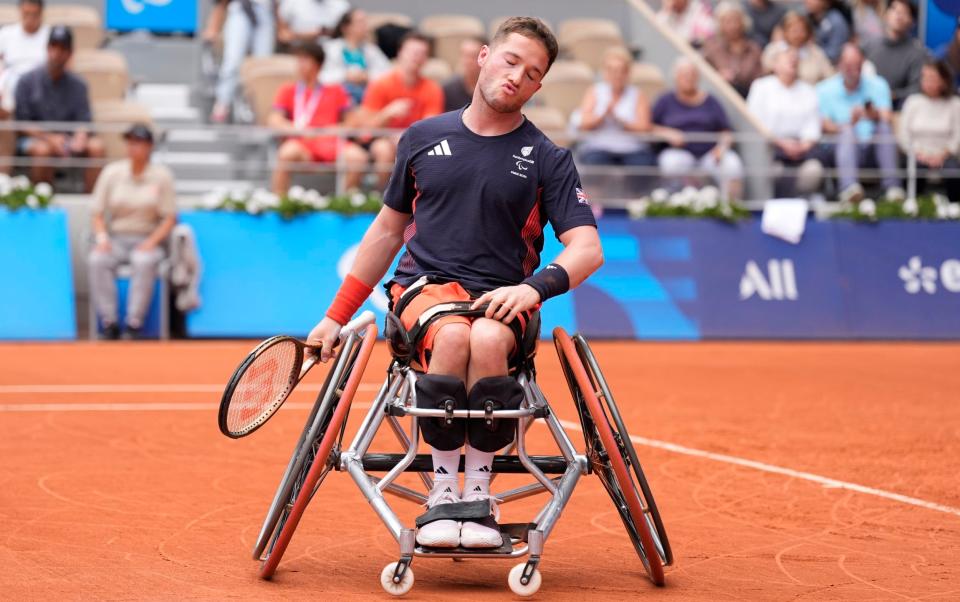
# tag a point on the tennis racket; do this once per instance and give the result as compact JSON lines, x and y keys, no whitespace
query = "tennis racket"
{"x":267,"y":376}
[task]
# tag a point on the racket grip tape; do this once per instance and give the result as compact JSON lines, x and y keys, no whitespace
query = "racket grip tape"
{"x":353,"y":292}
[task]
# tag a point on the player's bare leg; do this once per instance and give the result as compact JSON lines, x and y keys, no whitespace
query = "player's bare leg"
{"x":444,"y":380}
{"x":490,"y":345}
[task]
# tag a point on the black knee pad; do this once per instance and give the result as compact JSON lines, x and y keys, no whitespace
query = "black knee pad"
{"x":504,"y":393}
{"x":433,"y":392}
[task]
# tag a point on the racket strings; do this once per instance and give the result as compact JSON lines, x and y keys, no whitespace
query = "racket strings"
{"x":266,"y":382}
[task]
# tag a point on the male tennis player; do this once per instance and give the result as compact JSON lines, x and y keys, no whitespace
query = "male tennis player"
{"x":469,"y":196}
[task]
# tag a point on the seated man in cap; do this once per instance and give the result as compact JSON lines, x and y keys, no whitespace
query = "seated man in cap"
{"x":51,"y":93}
{"x":134,"y":210}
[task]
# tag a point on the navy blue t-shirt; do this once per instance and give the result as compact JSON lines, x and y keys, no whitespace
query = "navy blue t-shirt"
{"x":479,"y":204}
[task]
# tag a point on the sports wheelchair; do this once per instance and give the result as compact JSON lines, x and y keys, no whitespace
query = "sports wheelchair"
{"x":608,"y":453}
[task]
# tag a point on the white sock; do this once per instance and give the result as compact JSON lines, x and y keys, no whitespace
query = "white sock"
{"x":446,"y":464}
{"x":477,"y":469}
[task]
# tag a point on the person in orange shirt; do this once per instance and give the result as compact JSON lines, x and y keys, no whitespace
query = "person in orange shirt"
{"x":306,"y":104}
{"x":398,"y":99}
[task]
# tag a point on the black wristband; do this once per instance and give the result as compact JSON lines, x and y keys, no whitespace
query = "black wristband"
{"x":549,"y":282}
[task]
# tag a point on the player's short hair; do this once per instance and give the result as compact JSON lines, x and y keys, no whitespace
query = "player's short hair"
{"x":533,"y":28}
{"x":413,"y":34}
{"x":910,"y":7}
{"x":33,"y":2}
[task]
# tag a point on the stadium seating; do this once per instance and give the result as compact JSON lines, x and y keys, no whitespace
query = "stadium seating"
{"x":649,"y":78}
{"x":565,"y":84}
{"x":8,"y":14}
{"x":438,"y":70}
{"x":551,"y":121}
{"x":377,"y":20}
{"x":105,"y":72}
{"x":588,"y":39}
{"x":448,"y":31}
{"x":261,"y":77}
{"x":85,"y":22}
{"x":118,"y":113}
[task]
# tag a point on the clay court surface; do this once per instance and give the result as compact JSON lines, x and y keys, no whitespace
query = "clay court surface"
{"x":116,"y":484}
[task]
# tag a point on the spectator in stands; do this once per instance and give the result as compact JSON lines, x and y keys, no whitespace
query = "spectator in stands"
{"x":929,"y":125}
{"x":898,"y":56}
{"x":248,"y":27}
{"x":868,"y":20}
{"x":23,"y":47}
{"x":688,"y":110}
{"x":308,"y":20}
{"x":351,"y":59}
{"x":731,"y":52}
{"x":691,"y":19}
{"x":399,"y":98}
{"x":458,"y":90}
{"x":134,"y":210}
{"x":52,"y":93}
{"x":798,"y":34}
{"x":766,"y":16}
{"x":309,"y":104}
{"x":788,"y":107}
{"x":950,"y":53}
{"x":856,"y":107}
{"x":612,"y":113}
{"x":831,"y":30}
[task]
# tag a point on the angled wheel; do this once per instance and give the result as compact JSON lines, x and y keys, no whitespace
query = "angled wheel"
{"x":317,"y":450}
{"x":607,"y":451}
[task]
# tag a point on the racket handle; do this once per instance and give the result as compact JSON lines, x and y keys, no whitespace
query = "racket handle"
{"x":308,"y":363}
{"x":357,"y":324}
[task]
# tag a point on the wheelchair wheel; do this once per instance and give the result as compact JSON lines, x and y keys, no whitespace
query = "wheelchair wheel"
{"x":316,"y":452}
{"x":609,"y":458}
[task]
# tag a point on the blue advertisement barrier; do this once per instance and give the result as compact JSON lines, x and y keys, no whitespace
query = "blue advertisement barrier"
{"x":160,"y":16}
{"x":663,"y":279}
{"x":37,"y":299}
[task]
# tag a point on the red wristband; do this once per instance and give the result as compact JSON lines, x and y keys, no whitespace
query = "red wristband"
{"x":349,"y":298}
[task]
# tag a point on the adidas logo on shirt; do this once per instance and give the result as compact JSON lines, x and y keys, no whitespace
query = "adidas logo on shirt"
{"x":441,"y":470}
{"x":484,"y":469}
{"x":477,"y":488}
{"x":441,"y":150}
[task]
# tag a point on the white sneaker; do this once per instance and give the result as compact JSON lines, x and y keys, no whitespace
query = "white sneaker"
{"x":441,"y":533}
{"x":475,"y":535}
{"x":895,"y":194}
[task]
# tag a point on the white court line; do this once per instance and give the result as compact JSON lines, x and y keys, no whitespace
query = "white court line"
{"x":656,"y":443}
{"x":78,"y":389}
{"x":796,"y":474}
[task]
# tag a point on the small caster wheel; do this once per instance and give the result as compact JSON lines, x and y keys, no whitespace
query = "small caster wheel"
{"x":513,"y":580}
{"x":391,"y":587}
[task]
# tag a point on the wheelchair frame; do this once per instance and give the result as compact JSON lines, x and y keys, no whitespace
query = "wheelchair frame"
{"x":323,"y":433}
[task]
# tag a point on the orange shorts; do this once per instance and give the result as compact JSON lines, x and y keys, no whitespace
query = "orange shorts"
{"x":435,"y":294}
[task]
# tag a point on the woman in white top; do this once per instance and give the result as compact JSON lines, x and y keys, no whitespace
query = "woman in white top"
{"x":612,"y":114}
{"x":788,"y":107}
{"x":929,"y":127}
{"x":351,"y":60}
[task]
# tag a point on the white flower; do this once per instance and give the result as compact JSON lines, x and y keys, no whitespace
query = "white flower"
{"x":4,"y":178}
{"x":212,"y":200}
{"x":296,"y":193}
{"x":254,"y":207}
{"x":726,"y":209}
{"x":265,"y":198}
{"x":709,"y":196}
{"x":867,"y":207}
{"x":33,"y":202}
{"x":43,"y":189}
{"x":323,"y":202}
{"x":238,"y":195}
{"x":942,"y":212}
{"x":20,"y":183}
{"x":5,"y":187}
{"x":312,"y":198}
{"x":953,"y":211}
{"x":638,"y":209}
{"x":358,"y":199}
{"x":910,"y":207}
{"x":660,"y":195}
{"x":940,"y":201}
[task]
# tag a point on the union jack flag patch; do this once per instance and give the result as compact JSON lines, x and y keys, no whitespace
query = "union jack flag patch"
{"x":582,"y":197}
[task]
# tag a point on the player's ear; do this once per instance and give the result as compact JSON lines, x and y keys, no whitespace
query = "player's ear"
{"x":484,"y":54}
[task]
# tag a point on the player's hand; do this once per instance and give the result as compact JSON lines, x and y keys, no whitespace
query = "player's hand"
{"x":508,"y":301}
{"x":325,"y":335}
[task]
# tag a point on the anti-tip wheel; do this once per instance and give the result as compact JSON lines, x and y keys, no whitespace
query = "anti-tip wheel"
{"x":396,"y":589}
{"x":513,"y":580}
